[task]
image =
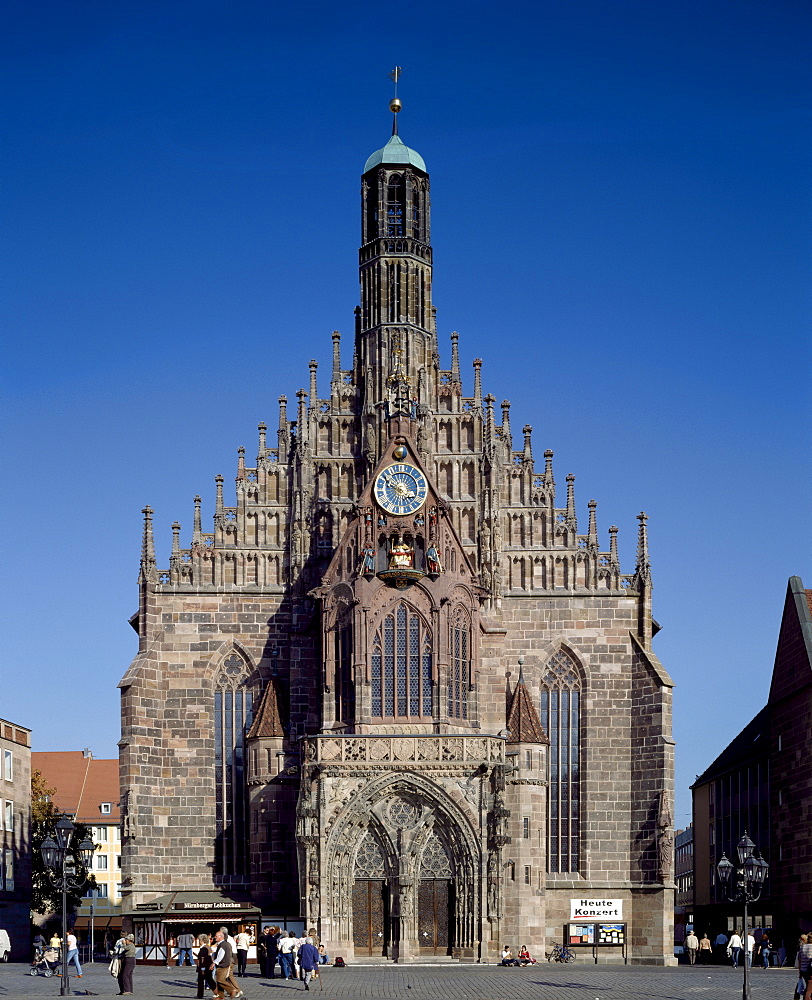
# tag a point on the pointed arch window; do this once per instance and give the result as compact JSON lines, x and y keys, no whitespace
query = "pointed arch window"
{"x":402,"y":666}
{"x":344,"y":683}
{"x":233,"y":714}
{"x":561,"y":718}
{"x":395,"y":202}
{"x":459,"y":671}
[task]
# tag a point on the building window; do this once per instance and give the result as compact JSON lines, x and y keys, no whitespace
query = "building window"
{"x":100,"y":834}
{"x":344,"y":685}
{"x":116,"y":834}
{"x":101,"y":890}
{"x":560,"y":717}
{"x":8,"y":870}
{"x":8,"y":765}
{"x":8,"y":813}
{"x":106,"y":808}
{"x":118,"y":862}
{"x":101,"y":862}
{"x":528,"y":875}
{"x":233,"y":712}
{"x":459,"y":676}
{"x":528,"y":759}
{"x":402,"y":666}
{"x":526,"y":827}
{"x":395,"y":199}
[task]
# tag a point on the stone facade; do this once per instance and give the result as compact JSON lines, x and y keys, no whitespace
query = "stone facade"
{"x":15,"y":837}
{"x":395,"y":691}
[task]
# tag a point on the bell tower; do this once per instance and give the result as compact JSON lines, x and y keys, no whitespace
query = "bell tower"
{"x":395,"y":329}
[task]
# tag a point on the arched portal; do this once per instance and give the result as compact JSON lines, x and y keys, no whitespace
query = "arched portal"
{"x":371,"y":916}
{"x":403,"y":871}
{"x":436,"y":897}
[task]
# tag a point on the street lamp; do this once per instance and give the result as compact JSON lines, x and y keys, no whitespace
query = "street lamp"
{"x":745,"y":888}
{"x":59,"y":859}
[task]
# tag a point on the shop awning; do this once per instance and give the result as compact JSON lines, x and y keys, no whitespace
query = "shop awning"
{"x":188,"y":906}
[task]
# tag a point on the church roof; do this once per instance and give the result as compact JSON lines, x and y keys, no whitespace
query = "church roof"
{"x":523,"y":720}
{"x":396,"y":151}
{"x":268,"y":721}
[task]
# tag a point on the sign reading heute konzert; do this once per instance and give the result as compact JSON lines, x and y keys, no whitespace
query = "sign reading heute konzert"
{"x":596,"y":909}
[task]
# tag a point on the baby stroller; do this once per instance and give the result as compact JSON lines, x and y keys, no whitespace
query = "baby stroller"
{"x":47,"y":962}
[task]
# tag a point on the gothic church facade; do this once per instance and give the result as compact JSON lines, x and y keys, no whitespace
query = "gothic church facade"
{"x":396,"y":692}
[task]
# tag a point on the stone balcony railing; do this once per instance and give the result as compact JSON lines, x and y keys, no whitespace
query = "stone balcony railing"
{"x":412,"y":750}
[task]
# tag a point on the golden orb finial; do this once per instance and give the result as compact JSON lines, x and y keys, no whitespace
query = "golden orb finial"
{"x":395,"y":105}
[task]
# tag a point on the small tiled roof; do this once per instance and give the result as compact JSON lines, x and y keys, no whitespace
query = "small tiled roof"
{"x":268,"y":721}
{"x":523,"y":720}
{"x":81,"y":784}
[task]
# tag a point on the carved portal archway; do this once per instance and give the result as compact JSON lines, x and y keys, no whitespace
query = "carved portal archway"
{"x":402,"y":869}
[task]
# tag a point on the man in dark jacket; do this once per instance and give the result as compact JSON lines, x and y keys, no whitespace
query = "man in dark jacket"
{"x":308,"y":960}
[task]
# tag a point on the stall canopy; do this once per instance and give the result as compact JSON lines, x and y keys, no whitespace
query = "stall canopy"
{"x":191,"y":907}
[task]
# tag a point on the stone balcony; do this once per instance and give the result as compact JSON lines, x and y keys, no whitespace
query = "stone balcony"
{"x":415,"y":752}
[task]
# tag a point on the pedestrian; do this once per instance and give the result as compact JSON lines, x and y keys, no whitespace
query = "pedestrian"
{"x":720,"y":948}
{"x":73,"y":955}
{"x":287,"y":953}
{"x":751,"y":943}
{"x":705,"y":950}
{"x":39,"y":944}
{"x":222,"y":957}
{"x":734,"y":949}
{"x":692,"y":946}
{"x":243,"y":940}
{"x":308,"y":960}
{"x":125,"y":953}
{"x":185,"y":944}
{"x":56,"y":941}
{"x":804,"y":961}
{"x":205,"y":967}
{"x":273,"y":952}
{"x":765,"y":950}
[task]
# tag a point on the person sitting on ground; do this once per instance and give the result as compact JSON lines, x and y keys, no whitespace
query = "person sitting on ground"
{"x":507,"y":957}
{"x":525,"y":957}
{"x":324,"y":958}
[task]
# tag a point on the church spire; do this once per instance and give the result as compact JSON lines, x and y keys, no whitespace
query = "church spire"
{"x":395,"y":266}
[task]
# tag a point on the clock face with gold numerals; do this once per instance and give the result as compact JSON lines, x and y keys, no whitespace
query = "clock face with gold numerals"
{"x":401,"y":489}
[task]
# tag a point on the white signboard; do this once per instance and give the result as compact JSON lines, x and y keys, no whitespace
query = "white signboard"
{"x":596,"y":909}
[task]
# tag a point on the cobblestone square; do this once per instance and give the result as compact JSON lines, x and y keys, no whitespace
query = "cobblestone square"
{"x":579,"y":981}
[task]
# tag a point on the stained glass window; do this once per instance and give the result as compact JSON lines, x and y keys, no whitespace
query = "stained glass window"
{"x":459,"y":673}
{"x":402,"y":666}
{"x":560,"y":716}
{"x":233,"y":710}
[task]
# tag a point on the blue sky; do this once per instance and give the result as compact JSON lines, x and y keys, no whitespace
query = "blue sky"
{"x":621,"y":231}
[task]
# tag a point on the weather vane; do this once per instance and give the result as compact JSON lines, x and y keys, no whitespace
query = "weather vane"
{"x":394,"y":104}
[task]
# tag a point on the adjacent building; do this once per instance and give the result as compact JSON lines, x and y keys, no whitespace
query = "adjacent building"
{"x":15,"y":836}
{"x":684,"y":878}
{"x":761,"y":784}
{"x":87,"y":790}
{"x":401,"y":690}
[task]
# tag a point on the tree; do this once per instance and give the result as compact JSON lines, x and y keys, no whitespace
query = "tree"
{"x":45,"y":898}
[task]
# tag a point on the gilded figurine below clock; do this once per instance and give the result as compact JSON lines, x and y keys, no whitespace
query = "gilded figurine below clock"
{"x":401,"y":489}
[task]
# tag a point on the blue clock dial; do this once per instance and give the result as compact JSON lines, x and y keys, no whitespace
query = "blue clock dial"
{"x":401,"y":489}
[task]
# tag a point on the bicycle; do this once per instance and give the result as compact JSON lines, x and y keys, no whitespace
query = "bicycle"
{"x":561,"y":953}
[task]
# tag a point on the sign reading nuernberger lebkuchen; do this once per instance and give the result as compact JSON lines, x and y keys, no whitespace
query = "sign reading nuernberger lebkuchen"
{"x":596,"y":909}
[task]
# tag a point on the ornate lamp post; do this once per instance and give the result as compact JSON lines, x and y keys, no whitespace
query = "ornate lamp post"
{"x":744,"y":888}
{"x":59,"y":857}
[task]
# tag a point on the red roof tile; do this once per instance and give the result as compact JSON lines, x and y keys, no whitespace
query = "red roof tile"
{"x":81,"y":784}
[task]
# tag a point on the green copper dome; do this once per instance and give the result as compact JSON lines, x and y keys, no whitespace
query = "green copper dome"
{"x":396,"y":151}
